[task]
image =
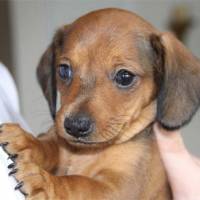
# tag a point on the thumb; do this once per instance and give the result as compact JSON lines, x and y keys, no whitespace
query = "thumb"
{"x":177,"y":161}
{"x":169,"y":142}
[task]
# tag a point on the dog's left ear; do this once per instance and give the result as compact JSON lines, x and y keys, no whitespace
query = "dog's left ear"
{"x":178,"y":73}
{"x":46,"y":71}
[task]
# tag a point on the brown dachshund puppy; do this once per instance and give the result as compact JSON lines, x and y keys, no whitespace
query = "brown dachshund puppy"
{"x":116,"y":74}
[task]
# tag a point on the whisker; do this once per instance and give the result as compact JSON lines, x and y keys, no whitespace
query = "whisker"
{"x":113,"y":126}
{"x":110,"y":133}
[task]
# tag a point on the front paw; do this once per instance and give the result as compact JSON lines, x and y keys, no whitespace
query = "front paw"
{"x":33,"y":181}
{"x":17,"y":143}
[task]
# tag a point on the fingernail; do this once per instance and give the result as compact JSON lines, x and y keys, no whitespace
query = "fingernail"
{"x":19,"y":185}
{"x":10,"y":166}
{"x":12,"y":172}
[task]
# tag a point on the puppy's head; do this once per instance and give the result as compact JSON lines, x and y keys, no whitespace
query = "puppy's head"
{"x":116,"y":74}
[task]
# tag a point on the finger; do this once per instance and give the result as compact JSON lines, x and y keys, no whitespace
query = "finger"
{"x":172,"y":149}
{"x":169,"y":141}
{"x":197,"y":160}
{"x":182,"y":170}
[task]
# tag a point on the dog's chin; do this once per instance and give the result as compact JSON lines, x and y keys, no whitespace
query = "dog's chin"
{"x":83,"y":142}
{"x":90,"y":141}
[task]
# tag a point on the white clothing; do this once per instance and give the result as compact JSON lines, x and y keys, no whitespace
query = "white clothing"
{"x":9,"y":112}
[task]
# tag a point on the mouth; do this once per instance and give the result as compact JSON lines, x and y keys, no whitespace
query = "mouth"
{"x":108,"y":135}
{"x":79,"y":142}
{"x":85,"y":141}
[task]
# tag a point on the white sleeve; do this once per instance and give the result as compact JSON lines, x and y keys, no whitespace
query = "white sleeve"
{"x":9,"y":112}
{"x":9,"y":102}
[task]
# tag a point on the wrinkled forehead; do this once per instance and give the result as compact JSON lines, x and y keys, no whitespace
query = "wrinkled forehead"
{"x":97,"y":45}
{"x":104,"y":41}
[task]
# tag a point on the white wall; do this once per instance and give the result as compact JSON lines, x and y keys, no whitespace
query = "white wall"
{"x":34,"y":23}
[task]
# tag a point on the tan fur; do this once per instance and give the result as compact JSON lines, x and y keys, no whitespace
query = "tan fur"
{"x":120,"y":159}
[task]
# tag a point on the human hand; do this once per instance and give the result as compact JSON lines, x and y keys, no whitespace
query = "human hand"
{"x":182,"y":168}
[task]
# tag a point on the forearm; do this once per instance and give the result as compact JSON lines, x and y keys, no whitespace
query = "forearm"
{"x":79,"y":187}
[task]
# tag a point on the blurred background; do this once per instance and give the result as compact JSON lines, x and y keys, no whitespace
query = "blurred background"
{"x":27,"y":27}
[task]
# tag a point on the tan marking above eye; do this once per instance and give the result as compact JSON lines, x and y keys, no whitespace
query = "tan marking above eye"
{"x":64,"y":60}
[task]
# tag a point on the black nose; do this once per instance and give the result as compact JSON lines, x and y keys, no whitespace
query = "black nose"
{"x":79,"y":125}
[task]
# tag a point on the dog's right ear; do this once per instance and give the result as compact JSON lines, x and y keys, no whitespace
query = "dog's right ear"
{"x":46,"y":70}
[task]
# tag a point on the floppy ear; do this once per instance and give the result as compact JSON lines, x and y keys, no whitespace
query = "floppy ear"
{"x":46,"y":71}
{"x":178,"y":72}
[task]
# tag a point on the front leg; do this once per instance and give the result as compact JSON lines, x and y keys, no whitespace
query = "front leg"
{"x":36,"y":184}
{"x":21,"y":145}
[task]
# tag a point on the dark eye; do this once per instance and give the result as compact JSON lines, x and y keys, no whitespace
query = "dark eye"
{"x":124,"y":78}
{"x":65,"y":72}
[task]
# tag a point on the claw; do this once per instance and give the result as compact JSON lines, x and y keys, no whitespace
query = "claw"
{"x":24,"y":193}
{"x":19,"y":185}
{"x":12,"y":165}
{"x":12,"y":156}
{"x":12,"y":172}
{"x":4,"y":144}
